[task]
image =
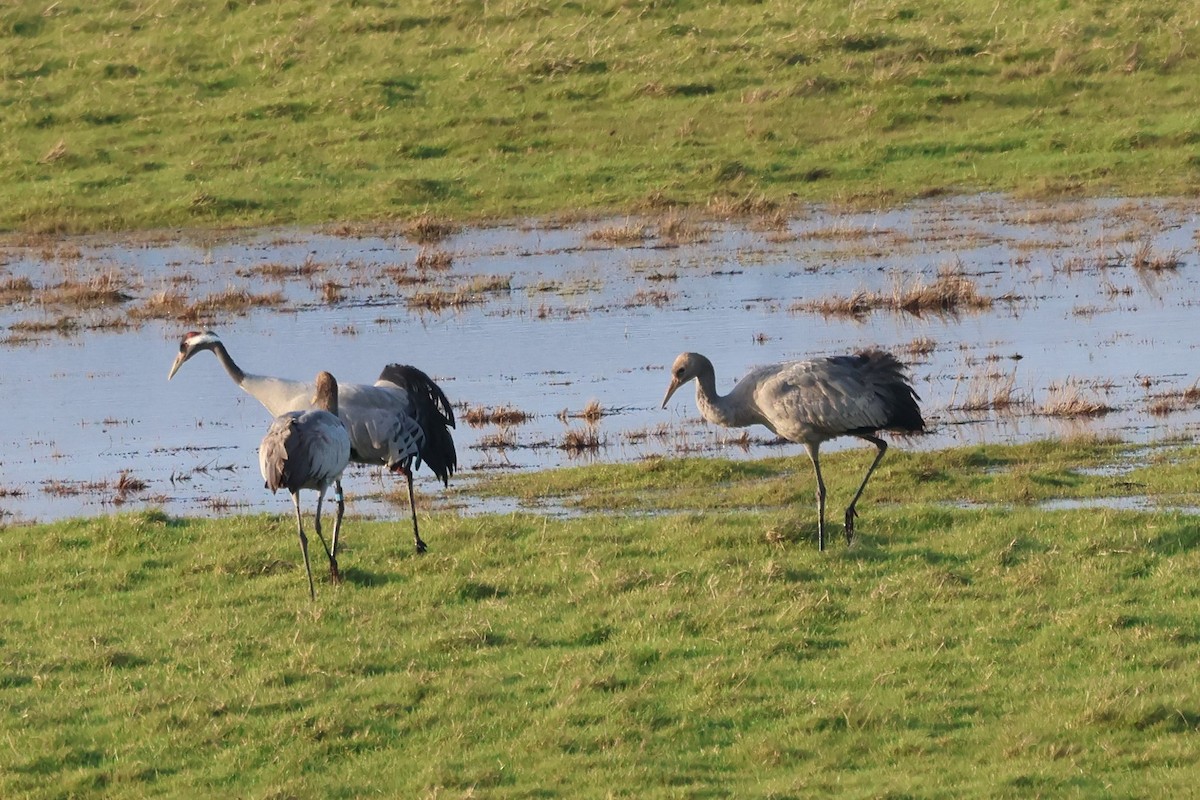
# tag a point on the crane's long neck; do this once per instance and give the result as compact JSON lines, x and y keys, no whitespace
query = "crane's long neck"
{"x":720,"y":409}
{"x":235,"y":372}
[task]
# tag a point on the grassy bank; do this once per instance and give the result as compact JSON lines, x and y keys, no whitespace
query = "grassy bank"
{"x":994,"y":651}
{"x":120,"y":115}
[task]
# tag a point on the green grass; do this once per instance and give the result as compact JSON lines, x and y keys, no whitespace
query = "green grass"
{"x":994,"y":651}
{"x":123,"y":115}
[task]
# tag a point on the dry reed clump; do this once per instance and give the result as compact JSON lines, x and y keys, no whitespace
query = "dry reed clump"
{"x":948,"y":294}
{"x":128,"y":484}
{"x":64,"y":325}
{"x":440,"y":300}
{"x":1070,"y":399}
{"x":990,"y":392}
{"x":921,"y":346}
{"x":60,"y":488}
{"x":500,"y":440}
{"x":1160,"y":405}
{"x":100,"y":290}
{"x":840,"y":231}
{"x":616,"y":235}
{"x":172,"y":304}
{"x":470,"y":293}
{"x":649,"y":297}
{"x":748,"y":205}
{"x":332,"y":292}
{"x":674,"y":230}
{"x":167,"y":304}
{"x":1146,"y":258}
{"x":438,"y":260}
{"x":403,"y":276}
{"x":427,"y":229}
{"x":591,"y":413}
{"x":275,"y":270}
{"x":579,"y":441}
{"x":236,"y":300}
{"x":15,"y":289}
{"x":858,"y":304}
{"x":488,"y":283}
{"x":478,"y":416}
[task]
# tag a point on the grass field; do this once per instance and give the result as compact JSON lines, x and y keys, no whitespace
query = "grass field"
{"x":972,"y":643}
{"x":121,"y":114}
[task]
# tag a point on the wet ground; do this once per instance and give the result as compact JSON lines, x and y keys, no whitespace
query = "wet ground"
{"x":1091,"y":304}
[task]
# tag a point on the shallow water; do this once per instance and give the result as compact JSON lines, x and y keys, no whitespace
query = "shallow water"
{"x":582,"y":321}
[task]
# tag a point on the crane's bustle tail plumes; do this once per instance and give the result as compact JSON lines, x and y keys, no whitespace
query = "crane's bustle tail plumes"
{"x":888,"y":377}
{"x":434,"y":416}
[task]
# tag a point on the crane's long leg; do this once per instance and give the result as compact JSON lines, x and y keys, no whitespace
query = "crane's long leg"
{"x":333,"y":567}
{"x":337,"y":524}
{"x":312,"y":593}
{"x":412,"y":504}
{"x":814,"y":454}
{"x":850,"y":512}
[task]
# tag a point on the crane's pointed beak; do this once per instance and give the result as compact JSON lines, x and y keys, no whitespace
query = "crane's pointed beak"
{"x":670,"y":391}
{"x":179,"y":359}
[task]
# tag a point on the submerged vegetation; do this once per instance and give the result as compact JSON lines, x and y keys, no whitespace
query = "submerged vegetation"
{"x":121,"y":115}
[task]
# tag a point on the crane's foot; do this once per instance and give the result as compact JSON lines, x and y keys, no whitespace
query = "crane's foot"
{"x":420,"y":546}
{"x":335,"y":574}
{"x":850,"y":515}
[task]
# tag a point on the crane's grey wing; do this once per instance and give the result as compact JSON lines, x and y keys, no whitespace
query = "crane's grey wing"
{"x":324,"y":448}
{"x":304,"y":450}
{"x":273,"y":451}
{"x":382,"y":426}
{"x":817,"y":400}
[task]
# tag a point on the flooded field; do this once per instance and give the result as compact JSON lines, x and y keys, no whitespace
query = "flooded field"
{"x":1020,"y":321}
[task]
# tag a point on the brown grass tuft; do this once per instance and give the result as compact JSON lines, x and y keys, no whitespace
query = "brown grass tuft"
{"x":1069,"y":399}
{"x":15,"y":290}
{"x":1146,"y":258}
{"x":725,"y":206}
{"x":500,"y":440}
{"x":470,"y":293}
{"x":64,"y":325}
{"x":649,"y":297}
{"x":427,"y":229}
{"x":617,"y":235}
{"x":579,"y":441}
{"x":674,"y":230}
{"x":1160,"y":405}
{"x":948,"y":294}
{"x":438,"y":260}
{"x":478,"y":416}
{"x":991,"y":392}
{"x":128,"y":484}
{"x":921,"y":346}
{"x":101,"y":290}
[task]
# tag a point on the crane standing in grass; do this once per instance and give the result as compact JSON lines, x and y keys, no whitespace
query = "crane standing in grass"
{"x":402,"y":421}
{"x":809,"y":402}
{"x":307,"y":450}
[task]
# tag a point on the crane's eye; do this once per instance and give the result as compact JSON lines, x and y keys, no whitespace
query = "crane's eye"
{"x":679,"y":372}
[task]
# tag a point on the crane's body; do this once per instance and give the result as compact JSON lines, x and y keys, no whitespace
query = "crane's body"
{"x":308,"y":450}
{"x":810,"y":402}
{"x":400,"y":422}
